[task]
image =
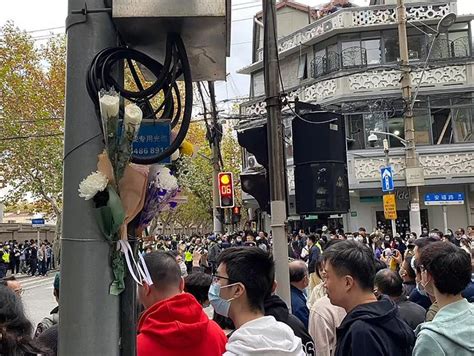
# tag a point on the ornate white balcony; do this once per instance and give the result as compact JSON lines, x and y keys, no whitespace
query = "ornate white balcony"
{"x":361,"y":18}
{"x":372,"y":83}
{"x":442,"y":164}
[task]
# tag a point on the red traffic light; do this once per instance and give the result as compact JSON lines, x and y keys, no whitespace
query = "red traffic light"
{"x":226,"y":189}
{"x":236,"y":210}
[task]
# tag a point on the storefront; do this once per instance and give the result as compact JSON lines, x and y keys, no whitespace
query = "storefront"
{"x":367,"y":209}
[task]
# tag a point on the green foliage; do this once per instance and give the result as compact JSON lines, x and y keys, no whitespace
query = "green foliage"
{"x":32,"y":82}
{"x":195,"y":173}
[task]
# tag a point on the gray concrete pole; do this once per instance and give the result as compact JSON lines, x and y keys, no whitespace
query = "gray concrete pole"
{"x":411,"y":160}
{"x":276,"y":151}
{"x":89,"y":315}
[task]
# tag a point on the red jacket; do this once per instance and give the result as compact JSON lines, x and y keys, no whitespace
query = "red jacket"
{"x":178,"y":326}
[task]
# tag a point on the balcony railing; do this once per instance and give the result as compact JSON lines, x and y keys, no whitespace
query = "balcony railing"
{"x":446,"y":49}
{"x":353,"y":57}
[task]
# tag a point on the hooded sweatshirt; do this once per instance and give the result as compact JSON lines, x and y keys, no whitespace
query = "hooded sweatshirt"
{"x":264,"y":337}
{"x":450,"y":333}
{"x":374,"y":329}
{"x":276,"y":307}
{"x":178,"y":326}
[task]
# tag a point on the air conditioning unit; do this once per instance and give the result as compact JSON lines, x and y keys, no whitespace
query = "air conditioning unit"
{"x":252,"y":162}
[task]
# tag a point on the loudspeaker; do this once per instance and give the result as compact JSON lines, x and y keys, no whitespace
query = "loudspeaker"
{"x":256,"y":184}
{"x":254,"y":140}
{"x":321,"y":188}
{"x":319,"y":154}
{"x":319,"y":136}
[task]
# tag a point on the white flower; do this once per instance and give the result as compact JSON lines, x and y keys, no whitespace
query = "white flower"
{"x":109,"y":106}
{"x":133,"y":117}
{"x":94,"y":183}
{"x":165,"y":180}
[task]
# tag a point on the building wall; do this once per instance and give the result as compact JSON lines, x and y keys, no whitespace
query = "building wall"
{"x":289,"y":20}
{"x":458,"y":215}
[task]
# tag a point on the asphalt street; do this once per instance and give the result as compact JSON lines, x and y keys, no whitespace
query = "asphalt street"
{"x":37,"y":297}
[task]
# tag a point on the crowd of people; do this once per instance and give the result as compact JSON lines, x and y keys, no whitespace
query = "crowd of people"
{"x":351,"y":294}
{"x":29,"y":258}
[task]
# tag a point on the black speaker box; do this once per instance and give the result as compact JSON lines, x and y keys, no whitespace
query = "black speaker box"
{"x":319,"y":137}
{"x":319,"y":154}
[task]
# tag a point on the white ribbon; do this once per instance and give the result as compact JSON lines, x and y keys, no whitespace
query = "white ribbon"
{"x":140,"y":267}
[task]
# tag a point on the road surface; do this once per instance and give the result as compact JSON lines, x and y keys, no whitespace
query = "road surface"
{"x":37,"y":297}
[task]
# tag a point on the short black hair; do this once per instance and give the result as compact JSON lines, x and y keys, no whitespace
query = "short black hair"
{"x":424,"y":241}
{"x":163,"y":268}
{"x":449,"y":265}
{"x":379,"y":265}
{"x":313,"y":238}
{"x":298,"y":271}
{"x":355,"y":259}
{"x":389,"y":282}
{"x":198,"y":284}
{"x":252,"y":267}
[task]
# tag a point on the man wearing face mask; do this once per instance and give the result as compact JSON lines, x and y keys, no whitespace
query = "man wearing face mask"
{"x":445,"y":272}
{"x":173,"y":323}
{"x":243,"y":278}
{"x":420,"y":295}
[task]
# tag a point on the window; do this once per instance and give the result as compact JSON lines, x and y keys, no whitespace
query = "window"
{"x":319,"y":61}
{"x":396,"y":126}
{"x":303,"y":67}
{"x":372,"y":51}
{"x":374,"y":122}
{"x":462,"y":124}
{"x":459,"y":44}
{"x":416,"y":47}
{"x":441,"y":125}
{"x":391,"y":49}
{"x":352,"y":55}
{"x":422,"y":127}
{"x":355,"y":132}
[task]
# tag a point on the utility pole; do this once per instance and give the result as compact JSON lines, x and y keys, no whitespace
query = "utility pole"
{"x":387,"y":164}
{"x":89,"y":314}
{"x":410,"y":152}
{"x":216,"y":168}
{"x":276,"y":151}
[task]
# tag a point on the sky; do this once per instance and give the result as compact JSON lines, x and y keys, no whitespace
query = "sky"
{"x":33,"y":15}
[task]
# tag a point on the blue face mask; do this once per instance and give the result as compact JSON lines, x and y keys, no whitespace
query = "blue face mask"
{"x":221,"y":306}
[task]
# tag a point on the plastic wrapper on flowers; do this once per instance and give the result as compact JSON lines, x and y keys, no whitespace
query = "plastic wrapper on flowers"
{"x":162,"y":188}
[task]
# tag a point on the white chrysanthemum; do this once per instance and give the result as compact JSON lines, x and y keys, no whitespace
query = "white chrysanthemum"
{"x":165,"y":180}
{"x":133,"y":117}
{"x":110,"y":105}
{"x":94,"y":183}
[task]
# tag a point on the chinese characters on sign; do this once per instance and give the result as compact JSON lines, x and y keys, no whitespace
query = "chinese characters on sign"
{"x":444,"y":199}
{"x":152,"y":139}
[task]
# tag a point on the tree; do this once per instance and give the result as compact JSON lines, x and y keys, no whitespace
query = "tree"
{"x":32,"y":86}
{"x":195,"y":173}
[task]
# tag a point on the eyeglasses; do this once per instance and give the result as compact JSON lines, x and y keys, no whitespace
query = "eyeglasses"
{"x":216,"y":278}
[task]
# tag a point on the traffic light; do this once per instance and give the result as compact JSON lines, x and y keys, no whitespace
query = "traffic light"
{"x":235,"y":214}
{"x":226,"y":190}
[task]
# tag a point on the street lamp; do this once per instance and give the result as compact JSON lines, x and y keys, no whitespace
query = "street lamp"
{"x":413,"y":173}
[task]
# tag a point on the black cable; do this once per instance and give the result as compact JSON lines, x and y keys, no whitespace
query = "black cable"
{"x":176,"y":64}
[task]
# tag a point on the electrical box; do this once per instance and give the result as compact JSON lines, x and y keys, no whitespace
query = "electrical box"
{"x":204,"y":26}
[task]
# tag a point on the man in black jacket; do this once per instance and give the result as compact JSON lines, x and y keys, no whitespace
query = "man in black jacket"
{"x":370,"y":327}
{"x":277,"y":308}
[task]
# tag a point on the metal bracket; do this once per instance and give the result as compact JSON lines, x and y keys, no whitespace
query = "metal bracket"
{"x":80,"y":16}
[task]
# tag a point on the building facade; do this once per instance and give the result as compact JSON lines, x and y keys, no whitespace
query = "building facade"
{"x":348,"y":61}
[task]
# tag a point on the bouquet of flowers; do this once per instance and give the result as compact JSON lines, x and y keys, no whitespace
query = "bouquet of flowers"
{"x":162,"y":188}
